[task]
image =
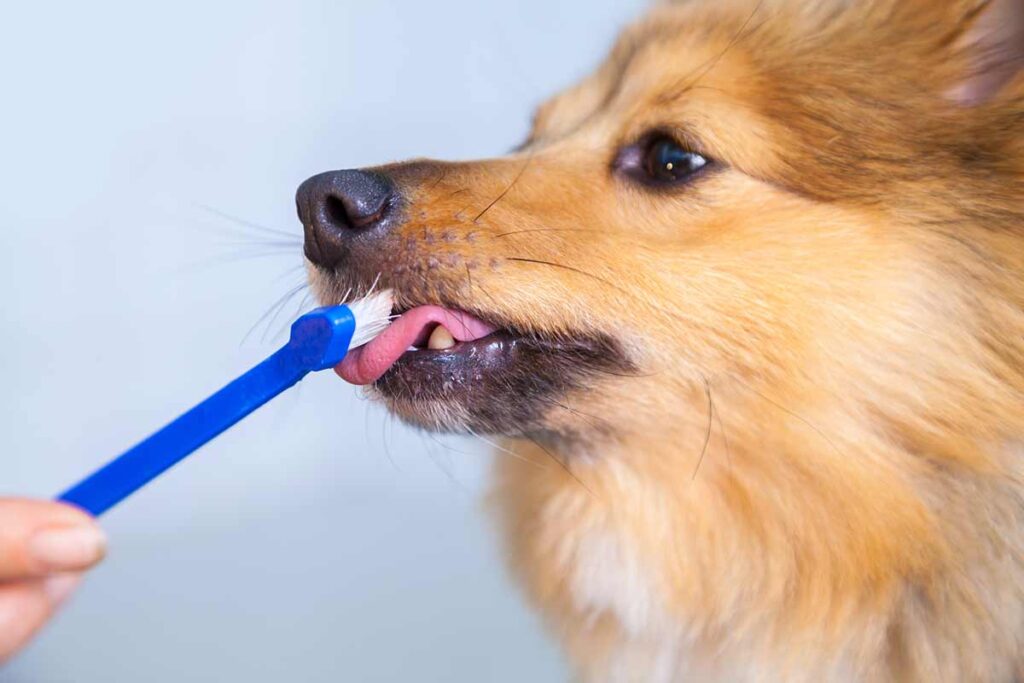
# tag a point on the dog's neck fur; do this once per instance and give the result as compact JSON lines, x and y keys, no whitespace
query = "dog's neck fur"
{"x":755,"y":591}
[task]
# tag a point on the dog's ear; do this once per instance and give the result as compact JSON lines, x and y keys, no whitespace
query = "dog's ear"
{"x":991,"y":44}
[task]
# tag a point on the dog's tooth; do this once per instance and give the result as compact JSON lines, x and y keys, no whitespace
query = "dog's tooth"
{"x":440,"y":339}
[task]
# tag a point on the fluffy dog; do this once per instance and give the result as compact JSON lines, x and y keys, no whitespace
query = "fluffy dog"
{"x":748,"y":305}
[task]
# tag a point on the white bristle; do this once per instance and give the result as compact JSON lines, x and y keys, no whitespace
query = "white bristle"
{"x":373,"y":315}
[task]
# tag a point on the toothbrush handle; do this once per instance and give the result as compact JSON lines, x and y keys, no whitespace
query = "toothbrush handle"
{"x":138,"y":466}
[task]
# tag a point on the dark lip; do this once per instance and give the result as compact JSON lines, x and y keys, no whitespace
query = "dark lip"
{"x":504,"y":383}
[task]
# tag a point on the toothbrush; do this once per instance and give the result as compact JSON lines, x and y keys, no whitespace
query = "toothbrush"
{"x":319,"y":340}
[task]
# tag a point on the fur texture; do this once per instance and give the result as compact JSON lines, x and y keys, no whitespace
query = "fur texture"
{"x":814,"y":470}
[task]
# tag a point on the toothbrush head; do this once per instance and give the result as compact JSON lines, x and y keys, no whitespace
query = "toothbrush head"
{"x":373,"y":315}
{"x":321,"y":338}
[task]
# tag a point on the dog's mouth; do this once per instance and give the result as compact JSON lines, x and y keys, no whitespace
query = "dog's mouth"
{"x":427,"y":333}
{"x":450,"y":369}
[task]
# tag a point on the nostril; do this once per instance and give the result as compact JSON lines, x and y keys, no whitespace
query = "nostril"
{"x":338,"y":206}
{"x":337,"y":213}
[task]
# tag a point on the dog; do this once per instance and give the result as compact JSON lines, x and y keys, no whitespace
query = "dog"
{"x":748,"y":307}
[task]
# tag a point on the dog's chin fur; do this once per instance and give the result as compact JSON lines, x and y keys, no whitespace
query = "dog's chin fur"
{"x":808,"y":466}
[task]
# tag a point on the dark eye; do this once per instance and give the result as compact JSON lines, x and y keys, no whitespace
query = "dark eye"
{"x":658,"y":160}
{"x":666,"y":162}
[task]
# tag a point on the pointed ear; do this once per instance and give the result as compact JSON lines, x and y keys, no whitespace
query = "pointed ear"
{"x":992,"y":43}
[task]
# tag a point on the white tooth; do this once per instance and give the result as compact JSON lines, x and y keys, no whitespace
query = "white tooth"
{"x":440,"y":339}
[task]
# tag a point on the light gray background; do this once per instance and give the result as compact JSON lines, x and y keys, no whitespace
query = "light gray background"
{"x":319,"y":541}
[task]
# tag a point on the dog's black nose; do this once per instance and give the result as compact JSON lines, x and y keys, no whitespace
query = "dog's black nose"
{"x":337,"y":207}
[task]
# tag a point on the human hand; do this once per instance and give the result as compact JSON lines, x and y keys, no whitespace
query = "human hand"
{"x":44,"y":548}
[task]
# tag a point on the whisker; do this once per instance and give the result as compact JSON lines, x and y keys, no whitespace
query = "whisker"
{"x":564,"y":267}
{"x":448,"y":446}
{"x":446,"y":468}
{"x":388,"y":418}
{"x":564,"y":466}
{"x":267,"y":244}
{"x":501,"y":448}
{"x":277,"y":314}
{"x":457,"y":192}
{"x":594,"y":420}
{"x":524,"y":232}
{"x":440,"y":178}
{"x":624,"y":375}
{"x":291,"y":271}
{"x":251,"y":254}
{"x":276,"y":306}
{"x":706,"y":68}
{"x":302,"y":305}
{"x":206,"y":263}
{"x":366,"y":431}
{"x":707,"y":435}
{"x":508,"y":189}
{"x":651,"y":304}
{"x":791,"y":413}
{"x":725,"y":439}
{"x":246,"y":223}
{"x":481,"y":288}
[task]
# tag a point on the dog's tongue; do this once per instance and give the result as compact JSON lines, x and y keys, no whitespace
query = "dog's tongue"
{"x":365,"y":364}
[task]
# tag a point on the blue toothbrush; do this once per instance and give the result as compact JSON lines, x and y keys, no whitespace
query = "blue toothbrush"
{"x":319,"y":340}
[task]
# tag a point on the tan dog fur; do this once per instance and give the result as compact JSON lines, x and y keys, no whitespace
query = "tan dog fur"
{"x":816,"y":472}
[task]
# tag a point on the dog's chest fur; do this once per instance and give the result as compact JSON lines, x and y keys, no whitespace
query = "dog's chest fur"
{"x":621,"y":615}
{"x":609,"y":580}
{"x":617,"y":599}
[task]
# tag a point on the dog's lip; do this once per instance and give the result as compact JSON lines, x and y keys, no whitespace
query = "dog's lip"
{"x":367,"y":363}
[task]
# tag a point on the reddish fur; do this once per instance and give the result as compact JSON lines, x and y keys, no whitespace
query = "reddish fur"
{"x":816,"y":473}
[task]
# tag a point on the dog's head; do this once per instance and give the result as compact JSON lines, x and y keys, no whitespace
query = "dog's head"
{"x":803,"y":198}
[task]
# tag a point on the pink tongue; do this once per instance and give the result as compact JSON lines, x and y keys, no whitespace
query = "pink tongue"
{"x":365,"y":364}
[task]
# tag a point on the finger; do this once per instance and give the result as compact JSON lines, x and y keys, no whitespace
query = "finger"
{"x":26,"y":605}
{"x":41,"y":537}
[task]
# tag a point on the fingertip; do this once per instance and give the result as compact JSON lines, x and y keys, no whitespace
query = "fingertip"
{"x":39,"y":537}
{"x":68,"y":548}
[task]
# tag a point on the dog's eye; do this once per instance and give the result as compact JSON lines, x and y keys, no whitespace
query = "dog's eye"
{"x":666,"y":161}
{"x":657,"y":160}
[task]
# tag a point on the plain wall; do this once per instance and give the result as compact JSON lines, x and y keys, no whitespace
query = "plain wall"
{"x":320,"y":540}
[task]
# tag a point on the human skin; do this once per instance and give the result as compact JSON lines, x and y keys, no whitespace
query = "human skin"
{"x":45,"y":548}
